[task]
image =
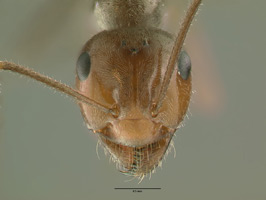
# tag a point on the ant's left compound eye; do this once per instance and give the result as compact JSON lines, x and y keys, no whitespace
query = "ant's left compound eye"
{"x":83,"y":66}
{"x":184,"y":65}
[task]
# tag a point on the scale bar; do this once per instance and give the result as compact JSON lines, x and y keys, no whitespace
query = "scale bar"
{"x":137,"y":188}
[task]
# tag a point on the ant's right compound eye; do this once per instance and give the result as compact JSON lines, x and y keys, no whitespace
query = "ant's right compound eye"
{"x":184,"y":65}
{"x":83,"y":66}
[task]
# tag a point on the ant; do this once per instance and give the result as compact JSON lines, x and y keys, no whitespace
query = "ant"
{"x":133,"y":82}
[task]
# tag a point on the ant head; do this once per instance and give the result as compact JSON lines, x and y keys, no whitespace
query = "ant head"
{"x":124,"y":69}
{"x":132,"y":89}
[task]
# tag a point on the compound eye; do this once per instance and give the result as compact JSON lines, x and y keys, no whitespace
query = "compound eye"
{"x":83,"y":66}
{"x":184,"y":65}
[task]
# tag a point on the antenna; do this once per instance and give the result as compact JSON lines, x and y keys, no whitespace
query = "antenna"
{"x":54,"y":84}
{"x":175,"y":54}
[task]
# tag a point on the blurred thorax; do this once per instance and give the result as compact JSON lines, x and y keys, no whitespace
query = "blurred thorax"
{"x":125,"y":13}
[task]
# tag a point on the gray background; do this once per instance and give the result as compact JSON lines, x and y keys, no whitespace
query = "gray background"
{"x":46,"y":151}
